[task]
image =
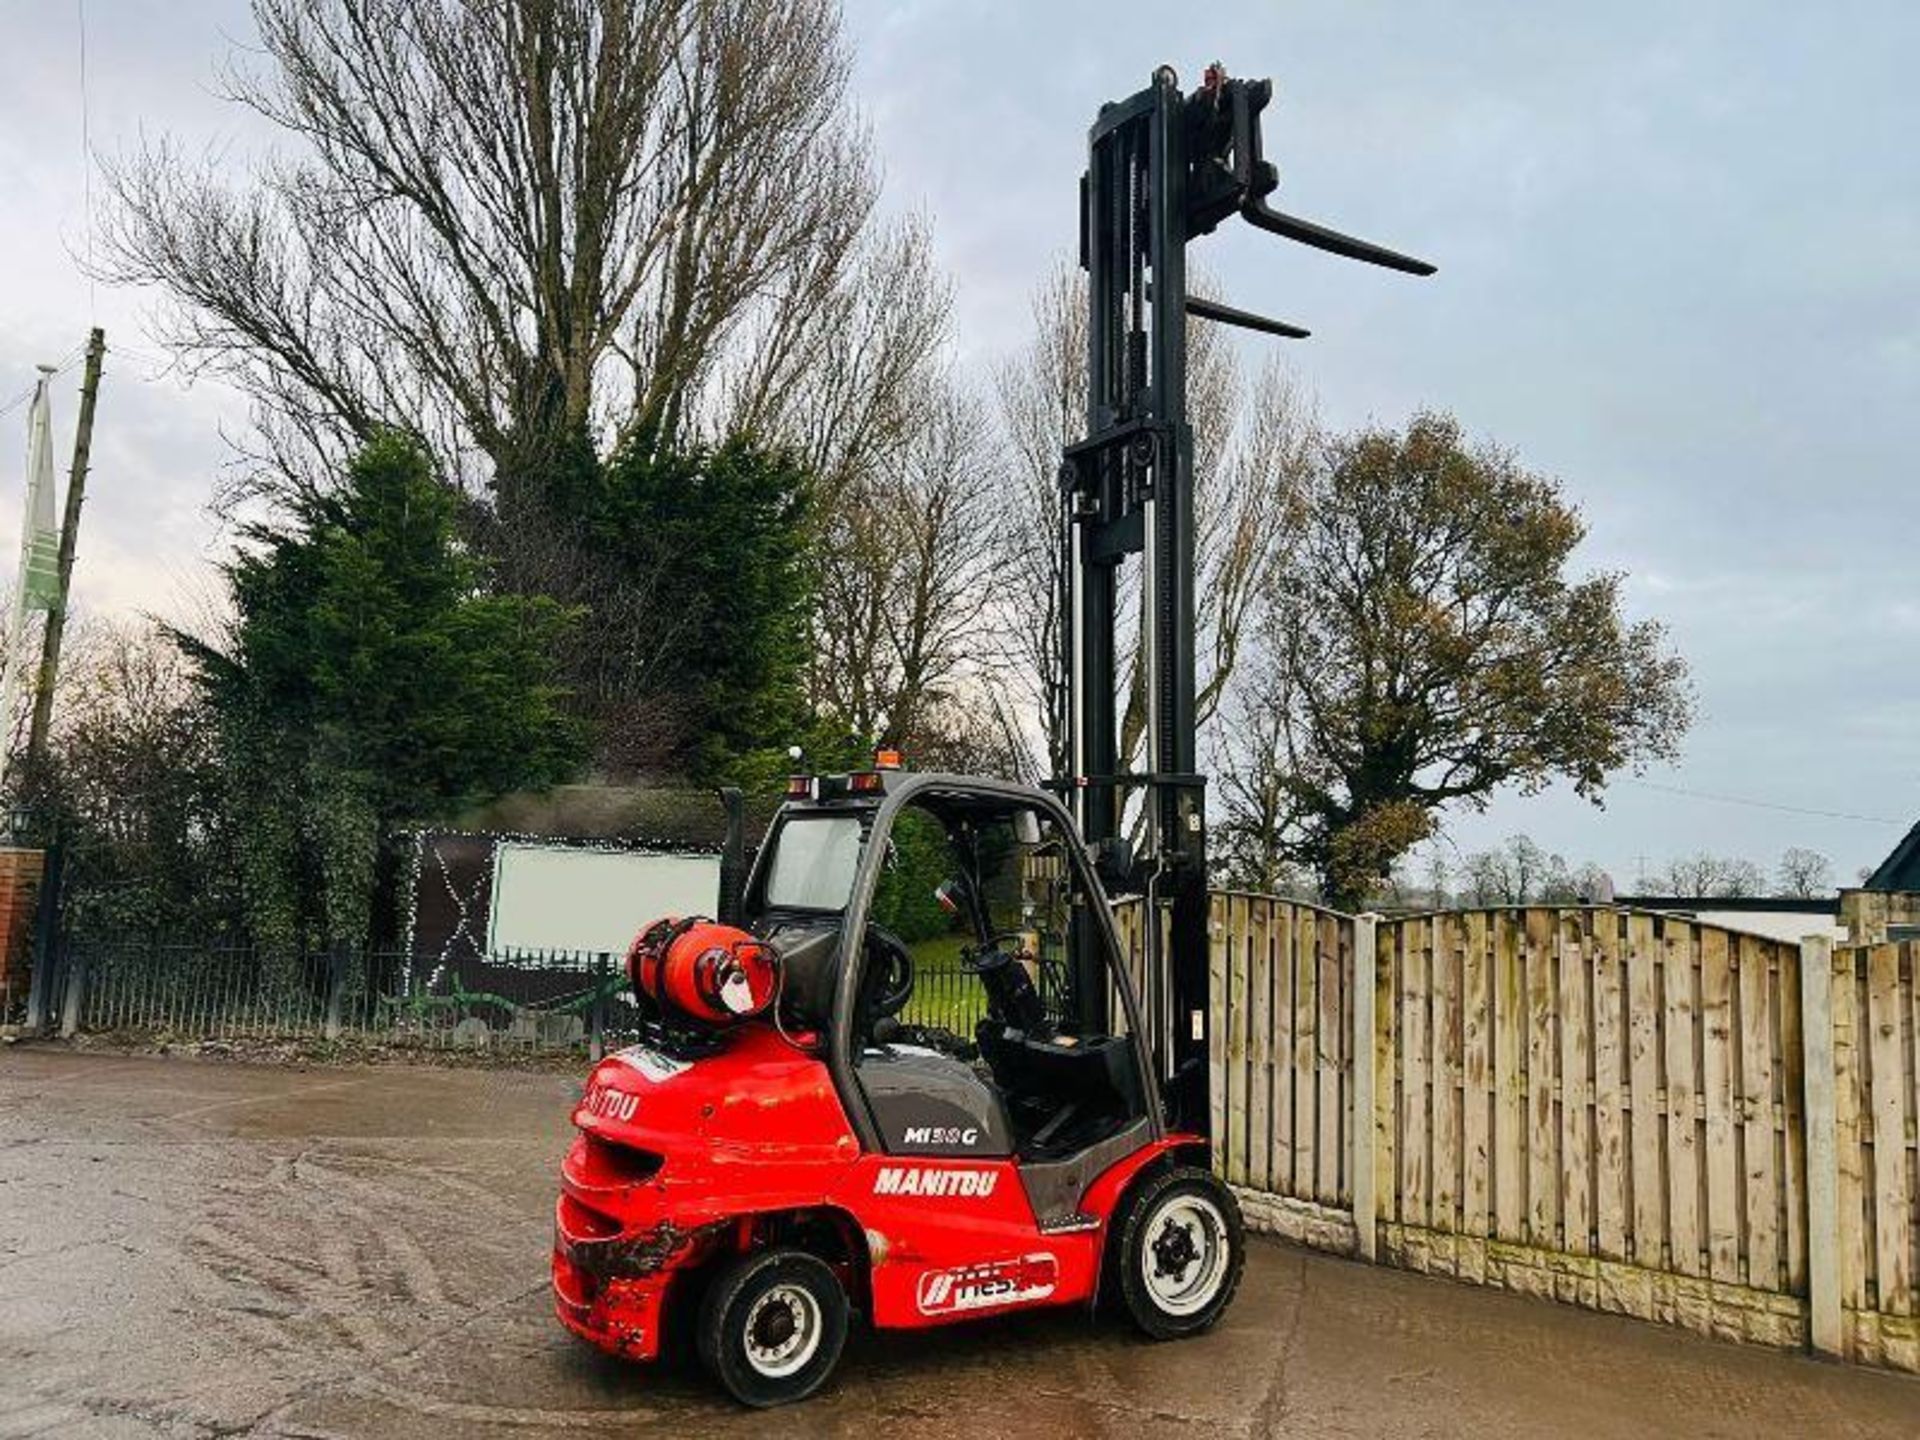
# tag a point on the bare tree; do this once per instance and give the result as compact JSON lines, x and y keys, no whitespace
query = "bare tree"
{"x":1042,"y":394}
{"x":1804,"y":874}
{"x":1517,"y":872}
{"x":506,"y":223}
{"x":1709,"y":876}
{"x":1249,"y":841}
{"x":133,"y":784}
{"x":853,"y":370}
{"x":903,"y":578}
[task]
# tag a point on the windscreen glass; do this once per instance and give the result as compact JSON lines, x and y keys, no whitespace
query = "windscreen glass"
{"x":814,"y":859}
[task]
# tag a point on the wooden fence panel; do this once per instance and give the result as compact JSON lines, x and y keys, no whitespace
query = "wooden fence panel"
{"x":1911,"y":979}
{"x":1609,"y":1091}
{"x":1305,"y":1051}
{"x":1756,"y":1114}
{"x":1416,"y":1053}
{"x":1509,"y":1057}
{"x":1605,"y":1083}
{"x":1235,"y":922}
{"x":1723,"y":1162}
{"x":1543,"y":1170}
{"x":1887,"y":1080}
{"x":1219,"y":1025}
{"x":1875,"y":1000}
{"x":1476,"y":1067}
{"x":1684,"y":1185}
{"x":1331,"y":1029}
{"x":1449,"y":943}
{"x":1576,"y":1086}
{"x":1792,"y":1087}
{"x":1856,"y":1252}
{"x":1643,"y":1022}
{"x":1879,"y":1109}
{"x":1280,"y":1058}
{"x":1259,"y":1012}
{"x":1386,"y":1046}
{"x":1286,"y":945}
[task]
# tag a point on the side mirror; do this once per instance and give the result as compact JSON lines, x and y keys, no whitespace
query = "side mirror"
{"x":952,"y":896}
{"x":1113,"y":862}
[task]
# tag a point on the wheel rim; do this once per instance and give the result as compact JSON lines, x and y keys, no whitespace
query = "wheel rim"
{"x":1184,"y":1260}
{"x":783,"y":1330}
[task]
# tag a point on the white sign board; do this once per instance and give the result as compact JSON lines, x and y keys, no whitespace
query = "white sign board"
{"x":555,"y":897}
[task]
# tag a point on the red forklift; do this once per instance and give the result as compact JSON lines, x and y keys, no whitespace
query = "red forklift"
{"x":824,"y":1118}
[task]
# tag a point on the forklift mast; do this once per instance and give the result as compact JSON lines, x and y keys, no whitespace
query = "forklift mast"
{"x":1162,"y":169}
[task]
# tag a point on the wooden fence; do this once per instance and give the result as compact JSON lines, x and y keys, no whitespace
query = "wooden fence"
{"x":1618,"y":1109}
{"x":1599,"y":1105}
{"x":1282,"y":1047}
{"x":1875,"y":1006}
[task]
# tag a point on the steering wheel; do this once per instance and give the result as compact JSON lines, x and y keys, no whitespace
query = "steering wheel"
{"x":888,"y":983}
{"x":990,"y":957}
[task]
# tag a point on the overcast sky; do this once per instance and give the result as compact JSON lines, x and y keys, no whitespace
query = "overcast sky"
{"x":1679,"y":255}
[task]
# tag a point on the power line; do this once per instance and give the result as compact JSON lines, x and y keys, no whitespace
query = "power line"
{"x":1763,"y":804}
{"x":65,"y":363}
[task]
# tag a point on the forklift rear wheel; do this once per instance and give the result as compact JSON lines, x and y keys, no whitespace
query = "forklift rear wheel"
{"x":772,"y":1326}
{"x":1178,"y":1252}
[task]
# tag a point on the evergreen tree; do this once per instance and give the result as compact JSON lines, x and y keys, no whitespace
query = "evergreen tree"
{"x":723,"y":532}
{"x":369,"y":678}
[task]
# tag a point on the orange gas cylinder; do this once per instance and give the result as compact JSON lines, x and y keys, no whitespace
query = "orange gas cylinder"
{"x":704,"y":970}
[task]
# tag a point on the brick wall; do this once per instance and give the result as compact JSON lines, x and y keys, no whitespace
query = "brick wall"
{"x":20,"y":872}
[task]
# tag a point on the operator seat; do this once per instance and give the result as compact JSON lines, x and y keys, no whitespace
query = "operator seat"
{"x":1064,"y":1091}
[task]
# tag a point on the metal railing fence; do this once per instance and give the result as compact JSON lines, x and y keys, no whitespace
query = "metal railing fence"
{"x":223,"y":989}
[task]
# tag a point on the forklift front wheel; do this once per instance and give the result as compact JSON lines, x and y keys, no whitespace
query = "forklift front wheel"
{"x":772,"y":1326}
{"x":1178,"y":1252}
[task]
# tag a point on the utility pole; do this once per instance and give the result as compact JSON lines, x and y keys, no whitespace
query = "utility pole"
{"x":69,"y":532}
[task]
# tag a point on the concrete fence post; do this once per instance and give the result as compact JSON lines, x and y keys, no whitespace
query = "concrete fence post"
{"x":336,"y":986}
{"x":75,"y":997}
{"x":46,"y":935}
{"x":1366,"y":1201}
{"x":1823,"y":1159}
{"x":597,"y":1013}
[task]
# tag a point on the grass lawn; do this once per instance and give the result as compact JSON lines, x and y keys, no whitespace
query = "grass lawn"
{"x":944,"y":995}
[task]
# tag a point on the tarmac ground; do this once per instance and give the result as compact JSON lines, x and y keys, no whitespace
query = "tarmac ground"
{"x":197,"y":1248}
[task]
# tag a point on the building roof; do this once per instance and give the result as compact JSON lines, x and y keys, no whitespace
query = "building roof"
{"x":621,"y":814}
{"x":1901,"y":869}
{"x":1754,"y":904}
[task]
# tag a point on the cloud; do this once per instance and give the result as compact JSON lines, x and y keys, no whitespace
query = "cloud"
{"x":1679,"y":250}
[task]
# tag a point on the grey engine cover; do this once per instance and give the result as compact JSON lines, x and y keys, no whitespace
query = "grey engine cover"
{"x":926,"y":1103}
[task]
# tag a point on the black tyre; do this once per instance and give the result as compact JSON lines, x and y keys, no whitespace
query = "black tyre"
{"x":772,"y":1326}
{"x":1177,"y":1252}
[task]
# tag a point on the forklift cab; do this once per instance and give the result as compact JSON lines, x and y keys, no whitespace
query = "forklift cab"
{"x":928,"y":928}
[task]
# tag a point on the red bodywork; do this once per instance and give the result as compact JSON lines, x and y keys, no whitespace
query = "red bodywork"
{"x":678,"y":1162}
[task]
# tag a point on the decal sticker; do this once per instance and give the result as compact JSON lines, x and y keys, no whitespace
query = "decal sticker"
{"x":926,"y":1180}
{"x":650,"y":1064}
{"x":610,"y":1104}
{"x":981,"y":1287}
{"x":941,"y":1135}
